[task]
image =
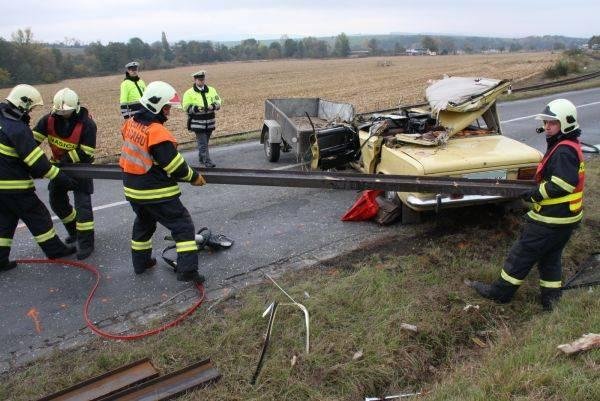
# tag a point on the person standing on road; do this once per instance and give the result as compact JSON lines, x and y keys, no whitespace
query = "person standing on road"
{"x":132,"y":89}
{"x":200,"y":102}
{"x":20,"y":159}
{"x":557,"y":210}
{"x":71,"y":134}
{"x":152,"y":165}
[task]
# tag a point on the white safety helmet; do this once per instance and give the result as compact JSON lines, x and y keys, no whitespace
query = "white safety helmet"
{"x":159,"y":94}
{"x":65,"y":102}
{"x":563,"y":111}
{"x":25,"y":97}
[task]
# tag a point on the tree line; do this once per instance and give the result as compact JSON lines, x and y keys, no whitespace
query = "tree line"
{"x":22,"y":59}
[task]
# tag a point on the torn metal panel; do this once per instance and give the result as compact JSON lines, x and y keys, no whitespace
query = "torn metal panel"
{"x":108,"y":383}
{"x":171,"y":385}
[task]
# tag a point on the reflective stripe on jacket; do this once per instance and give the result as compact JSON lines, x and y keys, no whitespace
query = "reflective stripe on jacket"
{"x":131,"y":92}
{"x":564,"y":209}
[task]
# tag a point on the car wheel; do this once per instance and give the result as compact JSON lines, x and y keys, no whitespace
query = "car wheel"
{"x":272,"y":151}
{"x":410,"y":216}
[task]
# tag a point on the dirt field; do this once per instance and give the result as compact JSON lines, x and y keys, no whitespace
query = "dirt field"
{"x":367,"y":83}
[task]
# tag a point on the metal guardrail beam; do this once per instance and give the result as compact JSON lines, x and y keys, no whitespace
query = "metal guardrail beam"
{"x":332,"y":180}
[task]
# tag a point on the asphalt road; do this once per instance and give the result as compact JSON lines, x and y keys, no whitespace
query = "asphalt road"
{"x":268,"y":225}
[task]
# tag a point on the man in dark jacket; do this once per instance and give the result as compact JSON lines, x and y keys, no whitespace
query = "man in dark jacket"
{"x":20,"y":160}
{"x":151,"y":167}
{"x":71,"y":134}
{"x":557,"y":210}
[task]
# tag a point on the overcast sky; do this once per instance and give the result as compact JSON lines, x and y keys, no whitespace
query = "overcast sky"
{"x":222,"y":20}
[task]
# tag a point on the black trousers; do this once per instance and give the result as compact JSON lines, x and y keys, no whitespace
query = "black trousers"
{"x":537,"y":244}
{"x":29,"y":208}
{"x":80,"y":219}
{"x":174,"y":216}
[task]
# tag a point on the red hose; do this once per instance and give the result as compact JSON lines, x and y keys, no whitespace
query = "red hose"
{"x":91,"y":325}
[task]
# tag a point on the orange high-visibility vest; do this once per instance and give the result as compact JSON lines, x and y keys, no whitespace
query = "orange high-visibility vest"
{"x":137,"y":140}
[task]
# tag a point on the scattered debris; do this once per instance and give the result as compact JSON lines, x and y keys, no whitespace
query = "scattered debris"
{"x":479,"y":342}
{"x":357,"y":355}
{"x":409,"y":327}
{"x":107,"y":383}
{"x":294,"y":360}
{"x":586,"y":342}
{"x":393,"y":397}
{"x":35,"y":316}
{"x":469,"y":307}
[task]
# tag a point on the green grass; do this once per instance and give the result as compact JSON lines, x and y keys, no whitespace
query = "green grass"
{"x":357,"y":303}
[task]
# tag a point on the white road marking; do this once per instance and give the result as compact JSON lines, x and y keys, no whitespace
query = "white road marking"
{"x":108,"y":205}
{"x":533,"y":115}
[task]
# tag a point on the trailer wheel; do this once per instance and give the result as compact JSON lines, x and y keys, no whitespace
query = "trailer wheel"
{"x":272,"y":151}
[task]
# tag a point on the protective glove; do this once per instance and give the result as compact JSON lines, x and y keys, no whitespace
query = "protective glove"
{"x":528,"y":195}
{"x":62,"y":180}
{"x":198,"y":182}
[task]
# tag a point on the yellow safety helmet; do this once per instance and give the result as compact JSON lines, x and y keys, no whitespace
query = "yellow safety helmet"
{"x":563,"y":111}
{"x":159,"y":94}
{"x":65,"y":102}
{"x":25,"y":97}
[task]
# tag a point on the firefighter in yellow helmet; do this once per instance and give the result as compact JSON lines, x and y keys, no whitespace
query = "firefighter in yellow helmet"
{"x":71,"y":134}
{"x":151,"y":167}
{"x":132,"y":89}
{"x":201,"y":102}
{"x":557,"y":208}
{"x":20,"y":160}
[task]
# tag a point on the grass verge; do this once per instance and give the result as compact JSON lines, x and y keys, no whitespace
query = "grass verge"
{"x":357,"y":303}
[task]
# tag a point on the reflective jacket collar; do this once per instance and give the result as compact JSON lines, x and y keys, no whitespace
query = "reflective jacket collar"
{"x":129,"y":77}
{"x":555,"y":139}
{"x":146,"y":117}
{"x":12,"y":112}
{"x":203,"y":90}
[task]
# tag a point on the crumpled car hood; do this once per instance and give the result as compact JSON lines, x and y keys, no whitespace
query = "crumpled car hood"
{"x":463,"y":94}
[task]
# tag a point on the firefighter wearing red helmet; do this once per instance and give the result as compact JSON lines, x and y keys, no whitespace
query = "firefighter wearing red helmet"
{"x":557,"y":208}
{"x":152,"y":165}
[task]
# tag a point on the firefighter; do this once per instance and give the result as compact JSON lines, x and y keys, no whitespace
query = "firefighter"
{"x":132,"y":89}
{"x":200,"y":102}
{"x":152,"y":165}
{"x":557,"y":210}
{"x":20,"y":160}
{"x":71,"y":134}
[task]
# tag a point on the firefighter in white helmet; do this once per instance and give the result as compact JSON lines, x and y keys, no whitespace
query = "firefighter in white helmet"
{"x":151,"y":168}
{"x":557,"y":209}
{"x":20,"y":160}
{"x":71,"y":134}
{"x":132,"y":89}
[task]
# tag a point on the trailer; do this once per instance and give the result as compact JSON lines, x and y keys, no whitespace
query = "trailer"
{"x":294,"y":124}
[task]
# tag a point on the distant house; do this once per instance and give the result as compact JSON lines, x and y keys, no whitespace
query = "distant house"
{"x":416,"y":52}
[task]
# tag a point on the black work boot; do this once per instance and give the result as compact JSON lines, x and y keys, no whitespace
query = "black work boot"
{"x":150,"y":263}
{"x":193,"y":276}
{"x":550,"y":297}
{"x":7,"y":265}
{"x":86,"y":245}
{"x":67,"y":250}
{"x":72,"y":231}
{"x":498,"y":293}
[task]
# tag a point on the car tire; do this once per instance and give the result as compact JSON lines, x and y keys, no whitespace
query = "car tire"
{"x":410,"y":216}
{"x":272,"y":151}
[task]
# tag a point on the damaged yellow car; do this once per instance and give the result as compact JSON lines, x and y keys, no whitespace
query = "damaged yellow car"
{"x":456,"y":133}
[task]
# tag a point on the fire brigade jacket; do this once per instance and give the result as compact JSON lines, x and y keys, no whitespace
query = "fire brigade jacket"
{"x":72,"y":140}
{"x":132,"y":89}
{"x":150,"y":161}
{"x":558,"y":199}
{"x":20,"y":156}
{"x":200,"y":104}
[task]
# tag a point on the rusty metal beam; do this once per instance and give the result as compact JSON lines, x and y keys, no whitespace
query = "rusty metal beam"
{"x":171,"y":385}
{"x":333,"y":180}
{"x":108,"y":383}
